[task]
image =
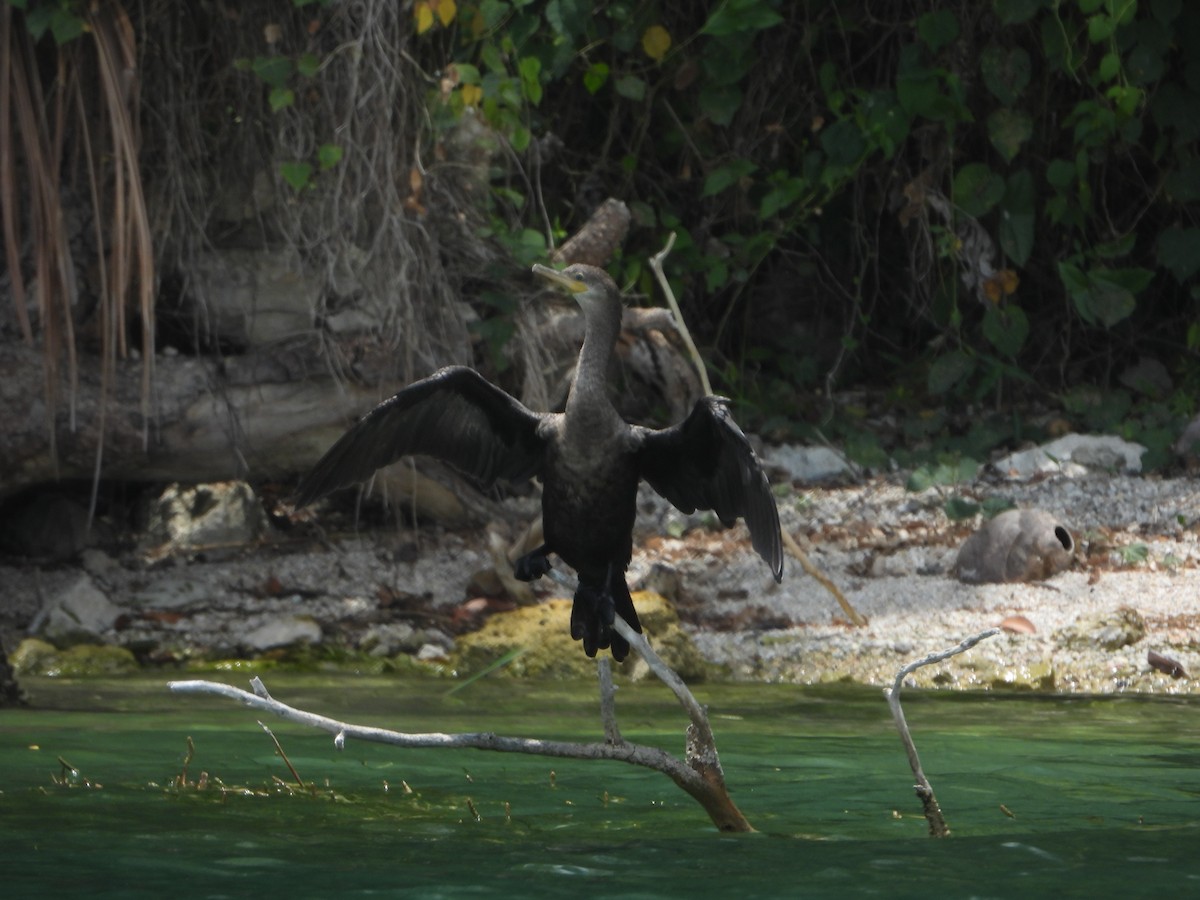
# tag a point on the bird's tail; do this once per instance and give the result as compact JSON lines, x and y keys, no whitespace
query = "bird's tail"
{"x":592,"y":614}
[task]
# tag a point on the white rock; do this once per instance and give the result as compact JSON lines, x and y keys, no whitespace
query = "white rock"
{"x":282,"y":632}
{"x":205,"y":515}
{"x":807,"y":463}
{"x":1073,"y":455}
{"x":80,"y":613}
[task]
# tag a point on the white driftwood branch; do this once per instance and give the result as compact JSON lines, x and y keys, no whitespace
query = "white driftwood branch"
{"x":700,"y":776}
{"x":702,"y":745}
{"x":656,"y":263}
{"x":638,"y":755}
{"x":924,"y":790}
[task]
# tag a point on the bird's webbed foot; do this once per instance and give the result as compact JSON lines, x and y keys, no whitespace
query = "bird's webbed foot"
{"x":592,"y":617}
{"x":532,"y":565}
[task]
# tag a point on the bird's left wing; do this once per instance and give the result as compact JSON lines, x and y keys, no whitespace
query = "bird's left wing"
{"x":455,"y":415}
{"x":706,"y":462}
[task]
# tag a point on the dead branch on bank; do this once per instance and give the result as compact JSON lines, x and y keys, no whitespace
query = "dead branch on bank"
{"x":924,"y":790}
{"x":698,"y":773}
{"x":656,"y":264}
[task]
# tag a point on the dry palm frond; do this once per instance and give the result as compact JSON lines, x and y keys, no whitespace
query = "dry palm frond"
{"x":44,"y":143}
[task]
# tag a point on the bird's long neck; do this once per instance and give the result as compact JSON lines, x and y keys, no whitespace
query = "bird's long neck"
{"x":588,"y":400}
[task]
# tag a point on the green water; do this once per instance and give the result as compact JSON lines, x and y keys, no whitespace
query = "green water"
{"x":1104,"y":796}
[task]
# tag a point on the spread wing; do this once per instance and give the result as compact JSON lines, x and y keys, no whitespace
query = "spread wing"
{"x":705,"y":462}
{"x":454,"y":415}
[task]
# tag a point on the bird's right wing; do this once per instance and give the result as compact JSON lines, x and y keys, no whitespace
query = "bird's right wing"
{"x":454,"y":415}
{"x":706,"y":462}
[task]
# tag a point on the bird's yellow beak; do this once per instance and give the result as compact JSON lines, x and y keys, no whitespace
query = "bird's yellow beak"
{"x":565,"y":282}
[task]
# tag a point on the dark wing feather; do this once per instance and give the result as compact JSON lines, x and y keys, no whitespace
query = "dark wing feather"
{"x":454,"y":415}
{"x":705,"y":462}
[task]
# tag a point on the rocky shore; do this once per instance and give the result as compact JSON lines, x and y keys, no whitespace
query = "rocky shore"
{"x":227,"y":584}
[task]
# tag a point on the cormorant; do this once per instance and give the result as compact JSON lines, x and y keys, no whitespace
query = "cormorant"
{"x":588,"y":458}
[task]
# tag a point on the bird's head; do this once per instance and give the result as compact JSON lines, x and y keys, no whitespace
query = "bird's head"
{"x":591,"y":287}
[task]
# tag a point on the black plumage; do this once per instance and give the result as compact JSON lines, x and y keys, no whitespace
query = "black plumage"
{"x":588,"y":458}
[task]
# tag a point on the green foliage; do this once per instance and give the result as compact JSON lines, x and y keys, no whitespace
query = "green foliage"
{"x":282,"y":75}
{"x":982,"y":188}
{"x":64,"y":20}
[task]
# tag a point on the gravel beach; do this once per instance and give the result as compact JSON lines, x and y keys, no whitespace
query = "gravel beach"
{"x":1132,"y":588}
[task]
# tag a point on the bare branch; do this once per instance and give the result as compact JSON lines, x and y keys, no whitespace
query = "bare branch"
{"x":856,"y":618}
{"x":699,"y":774}
{"x":608,"y":708}
{"x":696,"y":783}
{"x":924,"y":790}
{"x":656,"y":263}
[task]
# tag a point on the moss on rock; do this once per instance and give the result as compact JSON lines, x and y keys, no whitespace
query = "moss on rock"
{"x":543,"y":632}
{"x":34,"y":657}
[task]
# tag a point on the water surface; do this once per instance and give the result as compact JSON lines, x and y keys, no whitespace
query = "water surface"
{"x":1082,"y":797}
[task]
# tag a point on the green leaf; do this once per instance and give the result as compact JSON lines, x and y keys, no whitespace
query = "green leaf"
{"x":37,"y":21}
{"x":1005,"y":71}
{"x":885,"y":121}
{"x":937,"y":29}
{"x":949,"y":370}
{"x":1008,"y":129}
{"x":1174,"y":107}
{"x":494,"y":13}
{"x":467,"y":73}
{"x":843,"y":143}
{"x":1179,"y":252}
{"x":1126,"y":99}
{"x":530,"y":69}
{"x":1061,"y":173}
{"x":958,"y":509}
{"x":927,"y":92}
{"x":720,"y":104}
{"x":1006,"y":329}
{"x":723,"y":177}
{"x":274,"y":70}
{"x":1119,"y":247}
{"x":1014,"y":12}
{"x":1101,"y":28}
{"x":717,"y":275}
{"x":595,"y":77}
{"x":1018,"y":216}
{"x":1110,"y":66}
{"x":631,"y":87}
{"x":783,"y":193}
{"x":492,"y":58}
{"x":329,"y":155}
{"x":66,"y":26}
{"x":308,"y":65}
{"x":519,"y":137}
{"x":281,"y":98}
{"x":297,"y":174}
{"x":1183,"y":184}
{"x":568,"y":18}
{"x":1104,"y":296}
{"x":734,"y":16}
{"x":977,"y":189}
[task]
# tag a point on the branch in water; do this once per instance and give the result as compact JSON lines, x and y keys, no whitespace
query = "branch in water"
{"x":924,"y":790}
{"x":700,"y":776}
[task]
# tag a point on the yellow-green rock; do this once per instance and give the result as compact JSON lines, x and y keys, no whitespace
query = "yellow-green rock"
{"x":34,"y":657}
{"x":544,"y":633}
